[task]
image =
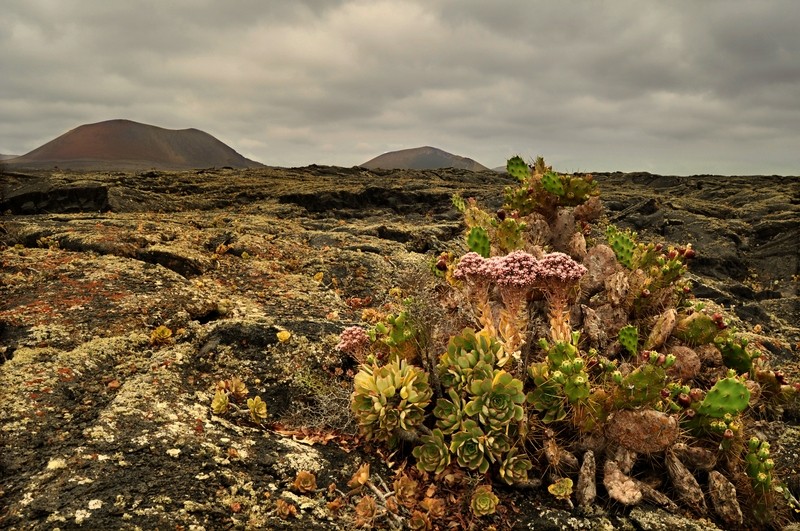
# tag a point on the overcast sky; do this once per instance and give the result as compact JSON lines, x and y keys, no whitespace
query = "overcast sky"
{"x":678,"y":87}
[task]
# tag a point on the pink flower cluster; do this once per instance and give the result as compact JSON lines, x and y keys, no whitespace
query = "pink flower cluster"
{"x":473,"y":268}
{"x":519,"y":270}
{"x":559,"y":267}
{"x":353,"y":339}
{"x":516,"y":270}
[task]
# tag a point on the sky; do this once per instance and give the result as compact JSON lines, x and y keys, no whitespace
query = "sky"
{"x":673,"y":87}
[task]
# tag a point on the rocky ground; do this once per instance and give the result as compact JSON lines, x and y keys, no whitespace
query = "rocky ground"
{"x":108,"y":426}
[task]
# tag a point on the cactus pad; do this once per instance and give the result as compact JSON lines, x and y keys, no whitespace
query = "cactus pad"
{"x":728,"y":396}
{"x":735,"y":354}
{"x":623,"y":244}
{"x":696,"y":328}
{"x":553,"y":184}
{"x":518,"y":168}
{"x":478,"y":241}
{"x":629,"y":338}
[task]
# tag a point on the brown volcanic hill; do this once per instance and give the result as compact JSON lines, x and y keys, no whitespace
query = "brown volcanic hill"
{"x":422,"y":158}
{"x":128,"y":145}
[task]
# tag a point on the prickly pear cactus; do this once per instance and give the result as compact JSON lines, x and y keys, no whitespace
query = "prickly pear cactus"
{"x":623,"y":244}
{"x":478,"y":241}
{"x":553,"y":184}
{"x":509,"y":235}
{"x":728,"y":396}
{"x":697,"y":328}
{"x":629,"y":338}
{"x":518,"y":168}
{"x":735,"y":354}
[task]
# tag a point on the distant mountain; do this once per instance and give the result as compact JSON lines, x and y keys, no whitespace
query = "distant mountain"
{"x":127,"y":145}
{"x":6,"y":157}
{"x":422,"y":158}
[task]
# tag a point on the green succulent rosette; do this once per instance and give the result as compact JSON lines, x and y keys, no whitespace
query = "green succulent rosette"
{"x":514,"y":467}
{"x":496,"y":401}
{"x":432,"y":455}
{"x":471,"y":448}
{"x":483,"y":501}
{"x":449,"y":413}
{"x":390,"y":397}
{"x":468,"y":355}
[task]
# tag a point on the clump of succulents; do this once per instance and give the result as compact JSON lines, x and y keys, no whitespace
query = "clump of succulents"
{"x":390,"y":398}
{"x":519,"y":393}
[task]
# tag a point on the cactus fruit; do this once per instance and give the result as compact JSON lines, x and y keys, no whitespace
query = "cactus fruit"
{"x":624,"y":245}
{"x":518,"y":168}
{"x":629,"y":338}
{"x":728,"y":396}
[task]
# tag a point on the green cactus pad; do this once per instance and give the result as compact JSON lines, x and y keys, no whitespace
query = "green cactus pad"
{"x":623,"y":244}
{"x":553,"y":183}
{"x":516,"y":167}
{"x":728,"y":396}
{"x":696,"y":329}
{"x":629,"y":338}
{"x":735,"y":354}
{"x":640,"y":387}
{"x":478,"y":241}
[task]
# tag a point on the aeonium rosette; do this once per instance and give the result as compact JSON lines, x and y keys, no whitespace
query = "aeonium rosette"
{"x":389,"y":398}
{"x":496,"y":401}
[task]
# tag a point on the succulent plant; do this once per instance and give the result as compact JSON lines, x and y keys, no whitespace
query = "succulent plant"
{"x":305,"y":482}
{"x":220,"y":402}
{"x":735,"y":354}
{"x":258,"y":409}
{"x":432,"y":455}
{"x":623,"y":244}
{"x":483,"y":501}
{"x":518,"y":168}
{"x":449,"y":413}
{"x":729,"y":396}
{"x":628,"y":337}
{"x":405,"y":490}
{"x":496,"y":401}
{"x":478,"y":241}
{"x":160,"y":336}
{"x":466,"y":353}
{"x":641,"y":387}
{"x":696,"y":328}
{"x":390,"y":397}
{"x":470,"y":447}
{"x":514,"y":467}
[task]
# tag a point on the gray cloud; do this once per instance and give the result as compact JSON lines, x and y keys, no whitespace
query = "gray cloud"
{"x":669,"y":87}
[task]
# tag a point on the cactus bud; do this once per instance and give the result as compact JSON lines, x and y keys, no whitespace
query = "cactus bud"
{"x":441,"y":265}
{"x":780,"y":377}
{"x":684,"y":400}
{"x":646,"y":293}
{"x":690,"y":413}
{"x":665,"y":393}
{"x":768,"y":465}
{"x":689,"y":253}
{"x":673,"y":254}
{"x":617,"y":377}
{"x":728,"y":434}
{"x":697,"y":395}
{"x":763,"y":453}
{"x":670,"y":361}
{"x":558,"y":377}
{"x":753,"y":443}
{"x":652,"y":356}
{"x":659,"y":246}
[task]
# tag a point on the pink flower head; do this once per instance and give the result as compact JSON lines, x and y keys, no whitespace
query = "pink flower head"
{"x":516,"y":270}
{"x":472,"y":267}
{"x":353,"y":339}
{"x":559,"y":267}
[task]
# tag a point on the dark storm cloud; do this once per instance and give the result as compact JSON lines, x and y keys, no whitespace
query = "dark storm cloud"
{"x":670,"y":87}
